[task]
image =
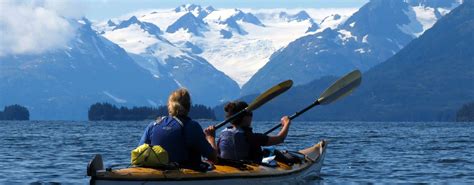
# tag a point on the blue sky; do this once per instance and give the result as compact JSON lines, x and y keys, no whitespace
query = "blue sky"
{"x":104,"y":9}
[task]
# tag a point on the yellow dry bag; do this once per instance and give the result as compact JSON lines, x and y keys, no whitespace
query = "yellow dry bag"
{"x":147,"y":156}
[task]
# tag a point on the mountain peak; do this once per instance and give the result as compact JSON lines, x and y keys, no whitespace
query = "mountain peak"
{"x":148,"y":27}
{"x":301,"y":16}
{"x":197,"y":10}
{"x":110,"y":23}
{"x":187,"y":8}
{"x":379,"y":17}
{"x":247,"y":17}
{"x":188,"y":22}
{"x":127,"y":23}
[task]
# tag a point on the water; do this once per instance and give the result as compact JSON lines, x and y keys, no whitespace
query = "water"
{"x":58,"y":151}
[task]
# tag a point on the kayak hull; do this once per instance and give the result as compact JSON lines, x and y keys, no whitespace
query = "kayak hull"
{"x":283,"y":174}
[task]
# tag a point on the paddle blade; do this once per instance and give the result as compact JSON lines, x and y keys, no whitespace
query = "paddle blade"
{"x":342,"y":87}
{"x":269,"y":94}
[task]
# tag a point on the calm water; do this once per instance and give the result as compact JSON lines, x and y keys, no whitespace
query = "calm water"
{"x":58,"y":152}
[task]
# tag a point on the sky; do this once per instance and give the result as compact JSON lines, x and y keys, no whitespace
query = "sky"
{"x":105,"y":9}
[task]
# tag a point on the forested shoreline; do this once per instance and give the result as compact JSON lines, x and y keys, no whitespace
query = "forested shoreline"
{"x":466,"y":113}
{"x":15,"y":112}
{"x":109,"y":112}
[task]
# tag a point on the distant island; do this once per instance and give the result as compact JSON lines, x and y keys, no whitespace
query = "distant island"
{"x":15,"y":112}
{"x":466,"y":113}
{"x":109,"y":112}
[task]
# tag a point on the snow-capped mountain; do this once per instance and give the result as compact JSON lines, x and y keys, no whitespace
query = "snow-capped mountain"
{"x":371,"y":35}
{"x":164,"y":59}
{"x":332,"y":21}
{"x":189,"y":23}
{"x":196,"y":10}
{"x":145,"y":26}
{"x":428,"y":80}
{"x":236,"y":42}
{"x":63,"y":83}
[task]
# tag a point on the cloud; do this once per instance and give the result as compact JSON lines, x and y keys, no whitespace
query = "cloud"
{"x":35,"y":26}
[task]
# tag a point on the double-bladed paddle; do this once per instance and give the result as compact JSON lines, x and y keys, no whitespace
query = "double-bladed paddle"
{"x":342,"y":87}
{"x":260,"y":100}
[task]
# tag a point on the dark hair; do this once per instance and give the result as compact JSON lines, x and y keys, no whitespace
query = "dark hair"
{"x":232,"y":108}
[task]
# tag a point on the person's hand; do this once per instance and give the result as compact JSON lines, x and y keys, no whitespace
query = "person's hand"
{"x":285,"y":121}
{"x":210,"y":131}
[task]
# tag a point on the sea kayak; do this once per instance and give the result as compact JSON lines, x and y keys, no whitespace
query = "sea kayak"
{"x":282,"y":173}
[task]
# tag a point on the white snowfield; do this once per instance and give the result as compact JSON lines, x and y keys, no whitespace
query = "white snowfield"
{"x":241,"y":55}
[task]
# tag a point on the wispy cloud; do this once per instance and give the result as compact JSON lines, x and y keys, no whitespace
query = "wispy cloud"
{"x":36,"y":26}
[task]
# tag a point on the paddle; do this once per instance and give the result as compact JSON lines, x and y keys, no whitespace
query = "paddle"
{"x":260,"y":100}
{"x":342,"y":87}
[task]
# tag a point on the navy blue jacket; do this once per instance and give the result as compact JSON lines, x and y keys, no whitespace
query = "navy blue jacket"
{"x":181,"y":137}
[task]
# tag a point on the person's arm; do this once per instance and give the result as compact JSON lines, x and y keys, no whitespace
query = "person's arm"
{"x":273,"y":140}
{"x":210,"y":133}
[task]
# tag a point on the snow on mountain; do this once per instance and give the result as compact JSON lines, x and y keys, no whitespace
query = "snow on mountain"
{"x":237,"y":42}
{"x":148,"y":27}
{"x":63,"y":83}
{"x":428,"y":12}
{"x":371,"y":35}
{"x":189,"y":23}
{"x":164,"y":59}
{"x":332,"y":21}
{"x":196,"y":10}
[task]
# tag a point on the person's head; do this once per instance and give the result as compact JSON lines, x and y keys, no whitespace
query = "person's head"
{"x":232,"y":108}
{"x":179,"y":102}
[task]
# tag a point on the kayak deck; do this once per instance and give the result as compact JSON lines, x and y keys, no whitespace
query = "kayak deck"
{"x":312,"y":155}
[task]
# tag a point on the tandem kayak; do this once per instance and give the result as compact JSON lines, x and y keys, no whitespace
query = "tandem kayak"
{"x":282,"y":173}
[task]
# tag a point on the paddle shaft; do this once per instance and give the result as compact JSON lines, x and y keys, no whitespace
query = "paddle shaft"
{"x":341,"y":88}
{"x":296,"y":114}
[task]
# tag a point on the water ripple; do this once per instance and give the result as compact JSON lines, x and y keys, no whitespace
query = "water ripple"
{"x":45,"y":152}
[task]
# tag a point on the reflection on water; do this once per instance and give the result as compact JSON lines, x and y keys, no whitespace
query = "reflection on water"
{"x":58,"y":151}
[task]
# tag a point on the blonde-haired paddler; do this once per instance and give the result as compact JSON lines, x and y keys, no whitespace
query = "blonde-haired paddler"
{"x":182,"y":137}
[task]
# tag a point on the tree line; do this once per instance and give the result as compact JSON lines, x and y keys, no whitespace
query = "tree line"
{"x":109,"y":112}
{"x":15,"y":112}
{"x":466,"y":113}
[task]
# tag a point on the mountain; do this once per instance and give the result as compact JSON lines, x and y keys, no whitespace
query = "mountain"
{"x":428,"y":80}
{"x":189,"y":23}
{"x":164,"y":59}
{"x":246,"y":17}
{"x":230,"y":19}
{"x":196,"y":10}
{"x":332,"y":21}
{"x":435,"y":3}
{"x":237,"y":42}
{"x":145,"y":26}
{"x":62,"y":84}
{"x":371,"y":35}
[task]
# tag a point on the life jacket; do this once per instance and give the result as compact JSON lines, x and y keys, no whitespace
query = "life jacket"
{"x":233,"y":144}
{"x":169,"y":134}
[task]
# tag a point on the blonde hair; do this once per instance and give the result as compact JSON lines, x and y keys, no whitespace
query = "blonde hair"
{"x":179,"y":102}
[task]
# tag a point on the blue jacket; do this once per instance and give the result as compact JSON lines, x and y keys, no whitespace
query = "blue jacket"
{"x":181,"y":137}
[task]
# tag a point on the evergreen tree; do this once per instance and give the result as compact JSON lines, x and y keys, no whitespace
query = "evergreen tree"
{"x":15,"y":112}
{"x":107,"y":111}
{"x":466,"y":113}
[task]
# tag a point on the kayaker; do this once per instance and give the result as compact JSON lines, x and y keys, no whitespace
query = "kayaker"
{"x":179,"y":135}
{"x":238,"y":142}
